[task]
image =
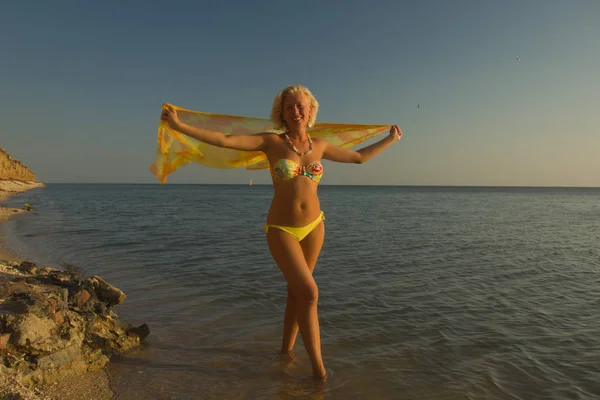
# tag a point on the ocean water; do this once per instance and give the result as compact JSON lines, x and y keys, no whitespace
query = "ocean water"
{"x":425,"y":292}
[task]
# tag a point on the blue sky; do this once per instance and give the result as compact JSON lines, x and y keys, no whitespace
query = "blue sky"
{"x":83,"y":83}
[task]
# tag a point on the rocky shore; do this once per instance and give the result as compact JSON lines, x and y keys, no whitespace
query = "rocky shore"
{"x":57,"y":328}
{"x":56,"y":323}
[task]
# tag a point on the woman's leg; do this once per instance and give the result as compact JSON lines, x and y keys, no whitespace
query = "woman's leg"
{"x":311,"y":248}
{"x":289,"y":256}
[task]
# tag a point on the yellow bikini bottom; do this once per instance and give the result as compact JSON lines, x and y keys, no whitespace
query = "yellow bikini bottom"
{"x":299,"y":232}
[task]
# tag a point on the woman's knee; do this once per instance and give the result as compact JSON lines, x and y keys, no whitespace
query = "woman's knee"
{"x":307,"y":294}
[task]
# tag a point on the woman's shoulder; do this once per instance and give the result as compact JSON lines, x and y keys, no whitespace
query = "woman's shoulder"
{"x":320,"y":141}
{"x":270,"y":135}
{"x":272,"y":141}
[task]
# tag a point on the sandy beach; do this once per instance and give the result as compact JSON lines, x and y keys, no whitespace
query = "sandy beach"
{"x":90,"y":386}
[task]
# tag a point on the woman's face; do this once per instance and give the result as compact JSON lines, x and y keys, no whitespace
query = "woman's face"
{"x":296,"y":110}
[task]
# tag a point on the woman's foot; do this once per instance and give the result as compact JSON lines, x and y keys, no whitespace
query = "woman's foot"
{"x":286,"y":358}
{"x":320,"y":374}
{"x":285,"y":352}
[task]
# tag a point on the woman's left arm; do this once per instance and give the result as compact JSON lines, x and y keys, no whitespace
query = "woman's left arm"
{"x":344,"y":155}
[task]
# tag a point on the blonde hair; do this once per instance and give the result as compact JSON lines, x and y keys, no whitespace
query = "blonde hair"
{"x":276,"y":111}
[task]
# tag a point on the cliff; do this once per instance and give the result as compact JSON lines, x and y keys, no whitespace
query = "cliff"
{"x":11,"y":169}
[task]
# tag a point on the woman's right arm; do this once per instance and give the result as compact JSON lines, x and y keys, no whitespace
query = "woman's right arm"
{"x":237,"y":142}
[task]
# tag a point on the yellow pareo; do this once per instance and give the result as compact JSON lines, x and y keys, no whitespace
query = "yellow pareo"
{"x":174,"y":149}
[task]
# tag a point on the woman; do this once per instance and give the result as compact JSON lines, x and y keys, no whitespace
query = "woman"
{"x":294,"y":227}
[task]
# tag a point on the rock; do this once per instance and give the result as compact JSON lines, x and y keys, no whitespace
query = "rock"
{"x":80,"y":298}
{"x":4,"y":338}
{"x":82,"y":363}
{"x":4,"y":287}
{"x":46,"y":270}
{"x":64,"y":278}
{"x":36,"y":334}
{"x":59,"y":358}
{"x":141,"y":331}
{"x":106,"y":292}
{"x":42,"y":301}
{"x":27,"y":267}
{"x":105,"y":333}
{"x":27,"y":207}
{"x":13,"y":307}
{"x":18,"y":287}
{"x":58,"y":317}
{"x":54,"y":323}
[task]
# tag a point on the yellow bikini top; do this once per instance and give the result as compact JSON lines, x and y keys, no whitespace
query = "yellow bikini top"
{"x":286,"y":169}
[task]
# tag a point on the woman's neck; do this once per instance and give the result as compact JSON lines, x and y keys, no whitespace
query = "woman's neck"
{"x":299,"y":134}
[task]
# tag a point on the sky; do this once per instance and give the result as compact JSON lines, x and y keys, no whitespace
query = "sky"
{"x":82,"y":83}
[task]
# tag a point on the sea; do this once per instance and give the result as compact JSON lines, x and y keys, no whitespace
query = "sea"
{"x":425,"y":292}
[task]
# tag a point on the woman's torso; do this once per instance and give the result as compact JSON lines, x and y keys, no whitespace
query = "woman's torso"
{"x":295,"y":201}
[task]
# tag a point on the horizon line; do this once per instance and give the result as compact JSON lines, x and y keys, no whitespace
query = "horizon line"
{"x":367,"y":185}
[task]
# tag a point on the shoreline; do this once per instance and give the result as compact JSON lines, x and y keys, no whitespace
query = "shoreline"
{"x":10,"y":188}
{"x":95,"y":385}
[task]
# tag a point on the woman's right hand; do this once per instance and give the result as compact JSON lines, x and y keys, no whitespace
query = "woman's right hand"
{"x":170,"y":116}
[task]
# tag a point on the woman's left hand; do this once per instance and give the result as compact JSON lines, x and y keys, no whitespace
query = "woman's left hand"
{"x":396,"y":132}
